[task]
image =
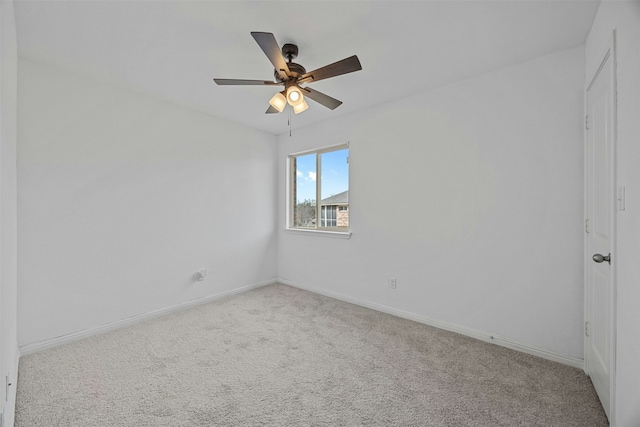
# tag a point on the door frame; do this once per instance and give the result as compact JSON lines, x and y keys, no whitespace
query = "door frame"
{"x":609,"y":53}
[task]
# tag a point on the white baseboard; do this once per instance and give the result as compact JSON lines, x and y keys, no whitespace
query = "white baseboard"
{"x":74,"y":336}
{"x":483,"y":336}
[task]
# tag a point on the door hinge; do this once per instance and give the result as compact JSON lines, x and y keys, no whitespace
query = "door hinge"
{"x":586,"y":328}
{"x":586,"y":122}
{"x":586,"y":226}
{"x":7,"y":384}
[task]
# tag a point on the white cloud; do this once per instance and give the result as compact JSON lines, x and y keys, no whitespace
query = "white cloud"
{"x":311,"y":176}
{"x":299,"y":173}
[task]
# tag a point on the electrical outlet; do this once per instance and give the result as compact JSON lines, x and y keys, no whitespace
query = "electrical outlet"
{"x":392,"y":282}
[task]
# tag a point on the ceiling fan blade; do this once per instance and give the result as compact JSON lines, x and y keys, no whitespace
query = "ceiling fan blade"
{"x":347,"y":65}
{"x":321,"y":98}
{"x":269,"y":46}
{"x":244,"y":82}
{"x":271,"y":110}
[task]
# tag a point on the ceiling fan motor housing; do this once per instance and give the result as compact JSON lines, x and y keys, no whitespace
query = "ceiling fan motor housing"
{"x":290,"y":51}
{"x":296,"y":71}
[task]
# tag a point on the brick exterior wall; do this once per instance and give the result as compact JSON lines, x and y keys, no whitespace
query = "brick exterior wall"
{"x":342,"y":218}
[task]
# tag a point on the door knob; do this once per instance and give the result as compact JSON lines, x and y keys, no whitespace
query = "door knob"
{"x":601,"y":258}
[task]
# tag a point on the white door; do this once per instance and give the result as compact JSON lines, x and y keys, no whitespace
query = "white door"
{"x":600,"y":327}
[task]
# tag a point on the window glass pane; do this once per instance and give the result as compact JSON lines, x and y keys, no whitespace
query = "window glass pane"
{"x":334,"y":187}
{"x":335,"y":172}
{"x":304,"y":191}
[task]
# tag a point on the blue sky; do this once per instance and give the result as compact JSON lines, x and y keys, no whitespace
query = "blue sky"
{"x":334,"y":176}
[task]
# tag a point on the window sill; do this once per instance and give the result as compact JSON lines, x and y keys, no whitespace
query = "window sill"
{"x":318,"y":233}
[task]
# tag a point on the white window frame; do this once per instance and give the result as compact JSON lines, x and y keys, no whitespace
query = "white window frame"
{"x":326,"y":232}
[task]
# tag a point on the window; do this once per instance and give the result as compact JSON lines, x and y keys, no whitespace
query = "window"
{"x":329,"y":217}
{"x":319,"y":189}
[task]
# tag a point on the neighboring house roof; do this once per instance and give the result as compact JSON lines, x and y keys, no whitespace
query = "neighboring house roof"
{"x":337,"y":199}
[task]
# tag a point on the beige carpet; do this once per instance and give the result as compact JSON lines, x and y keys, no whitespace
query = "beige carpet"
{"x":279,"y":356}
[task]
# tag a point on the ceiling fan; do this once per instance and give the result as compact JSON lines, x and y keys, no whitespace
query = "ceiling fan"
{"x":292,"y":75}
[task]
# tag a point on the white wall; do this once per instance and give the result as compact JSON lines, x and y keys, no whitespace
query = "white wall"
{"x":624,"y":18}
{"x":8,"y":211}
{"x":123,"y":197}
{"x":471,"y":195}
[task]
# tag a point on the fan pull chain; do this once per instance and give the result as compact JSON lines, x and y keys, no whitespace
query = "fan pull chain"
{"x":289,"y":123}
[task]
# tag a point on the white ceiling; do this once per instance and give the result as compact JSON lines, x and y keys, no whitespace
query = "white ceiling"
{"x":173,"y":49}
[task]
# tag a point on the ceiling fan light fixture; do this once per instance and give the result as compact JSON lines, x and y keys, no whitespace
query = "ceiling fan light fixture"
{"x":300,"y":107}
{"x":278,"y":101}
{"x":294,"y":96}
